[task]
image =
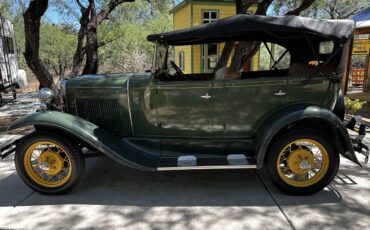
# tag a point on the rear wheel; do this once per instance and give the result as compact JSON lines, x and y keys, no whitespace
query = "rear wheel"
{"x":302,"y":162}
{"x":49,"y":163}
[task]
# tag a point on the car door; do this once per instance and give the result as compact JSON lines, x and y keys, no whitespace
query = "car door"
{"x":184,"y":109}
{"x":246,"y":101}
{"x":184,"y":112}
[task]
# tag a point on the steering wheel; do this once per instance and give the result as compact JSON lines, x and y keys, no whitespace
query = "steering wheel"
{"x":178,"y":70}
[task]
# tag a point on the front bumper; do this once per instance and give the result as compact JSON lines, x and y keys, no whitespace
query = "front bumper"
{"x":360,"y":147}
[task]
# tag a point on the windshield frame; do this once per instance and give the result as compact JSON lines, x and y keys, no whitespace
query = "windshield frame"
{"x":159,"y":61}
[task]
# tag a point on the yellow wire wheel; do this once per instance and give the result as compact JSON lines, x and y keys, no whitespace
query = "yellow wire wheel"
{"x":47,"y":164}
{"x":302,"y":163}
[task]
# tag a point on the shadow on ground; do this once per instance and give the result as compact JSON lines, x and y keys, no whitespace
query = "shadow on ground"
{"x":109,"y":183}
{"x":114,"y":196}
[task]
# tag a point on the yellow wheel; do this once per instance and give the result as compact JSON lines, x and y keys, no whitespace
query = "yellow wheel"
{"x":302,"y":161}
{"x":48,"y":162}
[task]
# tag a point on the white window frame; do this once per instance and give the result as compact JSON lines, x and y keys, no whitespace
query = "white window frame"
{"x":182,"y":60}
{"x":209,"y":19}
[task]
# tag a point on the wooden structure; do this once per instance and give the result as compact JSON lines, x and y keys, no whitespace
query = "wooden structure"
{"x":360,"y":45}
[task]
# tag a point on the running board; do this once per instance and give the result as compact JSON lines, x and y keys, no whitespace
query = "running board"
{"x":190,"y":162}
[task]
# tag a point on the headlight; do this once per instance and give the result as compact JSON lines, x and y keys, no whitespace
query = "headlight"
{"x":46,"y":95}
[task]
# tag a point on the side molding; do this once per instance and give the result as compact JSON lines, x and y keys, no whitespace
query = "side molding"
{"x":289,"y":115}
{"x":114,"y":147}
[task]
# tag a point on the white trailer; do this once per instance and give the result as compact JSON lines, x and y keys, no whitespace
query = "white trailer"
{"x":11,"y":77}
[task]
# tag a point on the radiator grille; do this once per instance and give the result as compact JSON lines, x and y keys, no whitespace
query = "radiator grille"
{"x":104,"y":113}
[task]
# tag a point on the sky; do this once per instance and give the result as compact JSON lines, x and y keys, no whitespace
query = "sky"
{"x":53,"y":15}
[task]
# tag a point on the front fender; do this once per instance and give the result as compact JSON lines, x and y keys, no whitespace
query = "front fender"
{"x":110,"y":145}
{"x":287,"y":116}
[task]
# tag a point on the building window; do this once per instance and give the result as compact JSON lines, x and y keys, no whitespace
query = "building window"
{"x":209,"y":51}
{"x":210,"y":16}
{"x":210,"y":56}
{"x":8,"y":45}
{"x":182,"y":60}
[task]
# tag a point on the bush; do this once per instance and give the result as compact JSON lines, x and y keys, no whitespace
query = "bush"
{"x":352,"y":106}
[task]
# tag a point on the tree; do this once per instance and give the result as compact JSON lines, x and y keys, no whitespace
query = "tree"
{"x":90,"y":19}
{"x":329,"y":9}
{"x":242,"y":6}
{"x":95,"y":15}
{"x":32,"y":21}
{"x":128,"y":27}
{"x":56,"y":51}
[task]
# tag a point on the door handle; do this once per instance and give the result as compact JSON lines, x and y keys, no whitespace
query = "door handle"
{"x":207,"y":96}
{"x":280,"y":93}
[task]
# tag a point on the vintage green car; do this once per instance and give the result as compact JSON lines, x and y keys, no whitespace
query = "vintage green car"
{"x":287,"y":119}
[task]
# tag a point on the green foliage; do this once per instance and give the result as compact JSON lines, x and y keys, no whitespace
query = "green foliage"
{"x":122,"y":36}
{"x":329,"y":9}
{"x":266,"y":62}
{"x":352,"y":106}
{"x":57,"y":48}
{"x":129,"y":27}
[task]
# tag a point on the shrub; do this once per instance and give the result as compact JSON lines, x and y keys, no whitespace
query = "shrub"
{"x":352,"y":106}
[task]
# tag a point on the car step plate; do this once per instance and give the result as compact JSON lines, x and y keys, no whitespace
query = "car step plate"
{"x":190,"y":162}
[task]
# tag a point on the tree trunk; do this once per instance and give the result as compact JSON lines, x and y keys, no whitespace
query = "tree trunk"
{"x":92,"y":58}
{"x":304,"y":5}
{"x":240,"y":52}
{"x":238,"y":59}
{"x":80,"y":52}
{"x":225,"y":55}
{"x":241,"y":8}
{"x":32,"y":22}
{"x":89,"y":22}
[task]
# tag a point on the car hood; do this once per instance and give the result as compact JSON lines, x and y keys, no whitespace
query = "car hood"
{"x":116,"y":80}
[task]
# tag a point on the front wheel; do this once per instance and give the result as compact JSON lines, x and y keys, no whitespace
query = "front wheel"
{"x":302,"y":161}
{"x":49,"y":163}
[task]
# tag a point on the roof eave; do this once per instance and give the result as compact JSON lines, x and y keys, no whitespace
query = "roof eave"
{"x":179,"y":6}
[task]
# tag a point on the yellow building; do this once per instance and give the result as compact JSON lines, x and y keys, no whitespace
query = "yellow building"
{"x":189,"y":13}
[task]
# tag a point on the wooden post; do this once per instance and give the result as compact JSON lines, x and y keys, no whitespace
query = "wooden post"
{"x":348,"y":69}
{"x":366,"y":83}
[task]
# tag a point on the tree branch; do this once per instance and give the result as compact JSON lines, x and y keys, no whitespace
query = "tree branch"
{"x":80,"y":4}
{"x":262,"y":7}
{"x":352,"y":13}
{"x":243,"y":5}
{"x":104,"y":43}
{"x":104,"y":13}
{"x":304,"y":5}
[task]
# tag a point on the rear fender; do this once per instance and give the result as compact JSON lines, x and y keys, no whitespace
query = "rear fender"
{"x":271,"y":126}
{"x":120,"y":150}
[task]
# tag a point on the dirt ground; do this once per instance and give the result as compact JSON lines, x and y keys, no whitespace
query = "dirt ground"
{"x":14,"y":109}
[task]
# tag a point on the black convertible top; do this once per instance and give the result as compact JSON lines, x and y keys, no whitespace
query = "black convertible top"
{"x":281,"y":29}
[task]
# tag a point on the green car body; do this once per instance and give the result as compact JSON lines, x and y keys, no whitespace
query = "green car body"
{"x":289,"y":121}
{"x":139,"y":120}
